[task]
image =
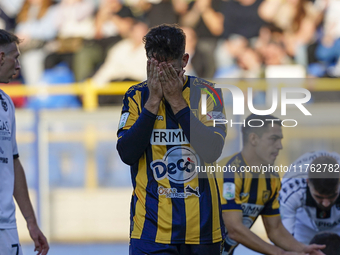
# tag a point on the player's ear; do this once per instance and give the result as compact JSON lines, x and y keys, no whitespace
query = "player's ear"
{"x":185,"y":60}
{"x":253,"y":139}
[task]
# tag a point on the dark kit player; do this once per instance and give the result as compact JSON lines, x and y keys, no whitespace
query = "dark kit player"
{"x":12,"y":176}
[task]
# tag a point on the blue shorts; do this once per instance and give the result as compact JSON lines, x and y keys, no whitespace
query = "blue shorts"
{"x":145,"y":247}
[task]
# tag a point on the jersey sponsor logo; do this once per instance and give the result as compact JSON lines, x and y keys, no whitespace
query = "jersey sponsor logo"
{"x":4,"y":128}
{"x":326,"y":224}
{"x":178,"y":165}
{"x":4,"y":104}
{"x":244,"y":195}
{"x":168,"y":137}
{"x":159,"y":117}
{"x":173,"y":193}
{"x":252,"y":210}
{"x":123,"y":120}
{"x":265,"y":196}
{"x":3,"y":160}
{"x":229,"y":190}
{"x":215,"y":115}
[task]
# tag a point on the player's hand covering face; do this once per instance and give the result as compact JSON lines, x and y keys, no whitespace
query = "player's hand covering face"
{"x":171,"y":81}
{"x":154,"y":85}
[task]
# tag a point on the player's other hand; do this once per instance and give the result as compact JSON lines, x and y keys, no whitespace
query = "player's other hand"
{"x":40,"y":241}
{"x":154,"y":85}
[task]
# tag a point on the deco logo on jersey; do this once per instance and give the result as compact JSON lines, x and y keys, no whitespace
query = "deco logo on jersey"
{"x":178,"y":165}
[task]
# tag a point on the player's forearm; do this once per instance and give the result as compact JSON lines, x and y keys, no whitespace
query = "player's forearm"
{"x":205,"y":140}
{"x":244,"y":236}
{"x":152,"y":104}
{"x":191,"y":18}
{"x":133,"y":142}
{"x":282,"y":238}
{"x":21,"y":193}
{"x":214,"y":21}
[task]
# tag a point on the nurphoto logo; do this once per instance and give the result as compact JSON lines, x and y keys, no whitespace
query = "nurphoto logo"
{"x":239,"y":102}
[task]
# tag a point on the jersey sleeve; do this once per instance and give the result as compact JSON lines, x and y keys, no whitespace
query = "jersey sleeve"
{"x":13,"y":130}
{"x":230,"y":192}
{"x":291,"y":198}
{"x":135,"y":127}
{"x":215,"y":111}
{"x":131,"y":110}
{"x":273,"y":206}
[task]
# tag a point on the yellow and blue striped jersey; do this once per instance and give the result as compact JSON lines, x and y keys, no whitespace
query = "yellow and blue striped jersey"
{"x":171,"y":203}
{"x":253,"y":193}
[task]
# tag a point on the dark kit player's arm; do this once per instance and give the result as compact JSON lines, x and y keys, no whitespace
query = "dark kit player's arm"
{"x":133,"y":142}
{"x":21,"y":196}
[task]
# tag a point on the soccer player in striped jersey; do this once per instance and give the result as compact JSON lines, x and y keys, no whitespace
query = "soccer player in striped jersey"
{"x":163,"y":137}
{"x":248,"y":192}
{"x":12,"y":176}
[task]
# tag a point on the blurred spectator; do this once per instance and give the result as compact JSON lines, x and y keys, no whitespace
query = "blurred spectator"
{"x":113,"y":19}
{"x":268,"y":33}
{"x":275,"y":54}
{"x":226,"y":54}
{"x":241,"y":18}
{"x":204,"y":18}
{"x":248,"y":64}
{"x":75,"y":23}
{"x":197,"y":64}
{"x":157,"y":12}
{"x":126,"y":60}
{"x":7,"y":16}
{"x":36,"y":24}
{"x":327,"y":51}
{"x":298,"y":19}
{"x":11,"y":7}
{"x":113,"y":22}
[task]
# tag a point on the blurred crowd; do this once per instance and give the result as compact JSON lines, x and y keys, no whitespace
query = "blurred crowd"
{"x":73,"y":40}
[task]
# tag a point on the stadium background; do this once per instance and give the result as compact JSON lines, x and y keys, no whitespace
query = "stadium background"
{"x":67,"y":118}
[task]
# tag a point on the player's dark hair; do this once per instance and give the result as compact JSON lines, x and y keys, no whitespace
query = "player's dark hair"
{"x":331,"y":240}
{"x":7,"y":38}
{"x":322,"y":174}
{"x":165,"y":42}
{"x":257,"y":120}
